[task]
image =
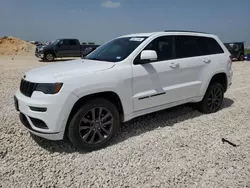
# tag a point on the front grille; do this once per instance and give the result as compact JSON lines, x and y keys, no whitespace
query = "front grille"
{"x":27,"y":87}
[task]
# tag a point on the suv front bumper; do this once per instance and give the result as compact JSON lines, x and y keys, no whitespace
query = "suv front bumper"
{"x":39,"y":55}
{"x":45,"y":115}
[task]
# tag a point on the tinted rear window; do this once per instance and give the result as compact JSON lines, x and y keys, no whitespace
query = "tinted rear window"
{"x":191,"y":46}
{"x":188,"y":46}
{"x":72,"y":42}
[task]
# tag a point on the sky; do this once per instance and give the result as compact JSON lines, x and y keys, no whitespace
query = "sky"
{"x":101,"y":20}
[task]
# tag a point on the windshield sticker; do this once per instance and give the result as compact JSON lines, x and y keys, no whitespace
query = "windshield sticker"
{"x":136,"y":39}
{"x":118,"y":57}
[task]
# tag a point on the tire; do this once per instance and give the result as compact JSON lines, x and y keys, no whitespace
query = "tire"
{"x":242,"y":57}
{"x":49,"y":57}
{"x":84,"y":133}
{"x":205,"y":105}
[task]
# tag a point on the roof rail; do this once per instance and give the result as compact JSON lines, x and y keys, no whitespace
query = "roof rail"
{"x":184,"y":31}
{"x":233,"y":42}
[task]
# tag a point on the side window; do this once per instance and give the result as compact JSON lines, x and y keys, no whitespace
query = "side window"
{"x":163,"y":47}
{"x":188,"y":46}
{"x":211,"y":46}
{"x":236,"y":47}
{"x":62,"y":42}
{"x":71,"y":42}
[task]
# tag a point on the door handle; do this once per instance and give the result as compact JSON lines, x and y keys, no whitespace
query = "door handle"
{"x":173,"y":65}
{"x":207,"y":61}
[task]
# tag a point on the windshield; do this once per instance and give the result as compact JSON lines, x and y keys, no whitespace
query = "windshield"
{"x":116,"y":50}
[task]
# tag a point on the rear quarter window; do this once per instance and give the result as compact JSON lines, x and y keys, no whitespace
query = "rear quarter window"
{"x":211,"y":46}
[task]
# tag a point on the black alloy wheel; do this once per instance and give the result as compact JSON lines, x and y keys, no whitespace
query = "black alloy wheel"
{"x":94,"y":124}
{"x":213,"y":99}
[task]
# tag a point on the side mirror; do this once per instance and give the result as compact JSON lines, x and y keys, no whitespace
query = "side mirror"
{"x":150,"y":55}
{"x":147,"y":56}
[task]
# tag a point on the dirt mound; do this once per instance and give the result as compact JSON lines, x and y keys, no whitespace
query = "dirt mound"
{"x":15,"y":46}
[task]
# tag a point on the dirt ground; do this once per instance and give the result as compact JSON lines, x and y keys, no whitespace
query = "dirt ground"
{"x":15,"y":46}
{"x":178,"y":147}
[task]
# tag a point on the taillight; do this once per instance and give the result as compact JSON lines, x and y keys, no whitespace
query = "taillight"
{"x":231,"y":59}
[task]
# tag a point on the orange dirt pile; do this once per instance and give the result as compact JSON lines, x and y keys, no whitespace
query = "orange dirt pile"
{"x":15,"y":46}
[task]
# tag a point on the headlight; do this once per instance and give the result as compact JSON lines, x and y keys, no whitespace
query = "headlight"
{"x":40,"y":49}
{"x":49,"y":88}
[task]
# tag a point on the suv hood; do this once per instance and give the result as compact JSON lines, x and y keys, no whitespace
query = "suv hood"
{"x":61,"y":70}
{"x":45,"y":46}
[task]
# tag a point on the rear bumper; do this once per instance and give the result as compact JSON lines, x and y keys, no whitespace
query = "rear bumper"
{"x":230,"y":77}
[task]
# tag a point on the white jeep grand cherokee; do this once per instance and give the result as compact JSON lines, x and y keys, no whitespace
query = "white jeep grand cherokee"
{"x":132,"y":75}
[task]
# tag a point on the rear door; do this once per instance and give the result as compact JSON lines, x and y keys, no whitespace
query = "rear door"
{"x":74,"y":48}
{"x":189,"y":56}
{"x":196,"y":56}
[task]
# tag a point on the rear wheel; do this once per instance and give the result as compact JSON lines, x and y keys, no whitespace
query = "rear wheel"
{"x":213,"y":99}
{"x":242,"y":57}
{"x":94,"y":125}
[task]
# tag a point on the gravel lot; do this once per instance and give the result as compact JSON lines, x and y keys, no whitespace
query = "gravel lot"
{"x":179,"y":147}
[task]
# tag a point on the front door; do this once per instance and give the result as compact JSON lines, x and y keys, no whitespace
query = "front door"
{"x":157,"y":83}
{"x":63,"y":48}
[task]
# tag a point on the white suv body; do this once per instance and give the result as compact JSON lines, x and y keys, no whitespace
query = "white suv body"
{"x":175,"y":67}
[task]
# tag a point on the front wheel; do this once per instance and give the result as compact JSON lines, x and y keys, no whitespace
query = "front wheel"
{"x":242,"y":57}
{"x":94,"y":125}
{"x":213,"y":99}
{"x":49,"y":57}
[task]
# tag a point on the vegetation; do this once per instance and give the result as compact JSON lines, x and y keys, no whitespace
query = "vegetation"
{"x":247,"y":51}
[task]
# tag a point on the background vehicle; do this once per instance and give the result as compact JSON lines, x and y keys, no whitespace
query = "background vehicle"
{"x":37,"y":43}
{"x":237,"y":50}
{"x":126,"y":77}
{"x":63,"y":48}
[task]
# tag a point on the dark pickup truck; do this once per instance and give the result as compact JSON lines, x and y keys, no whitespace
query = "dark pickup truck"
{"x":64,"y":48}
